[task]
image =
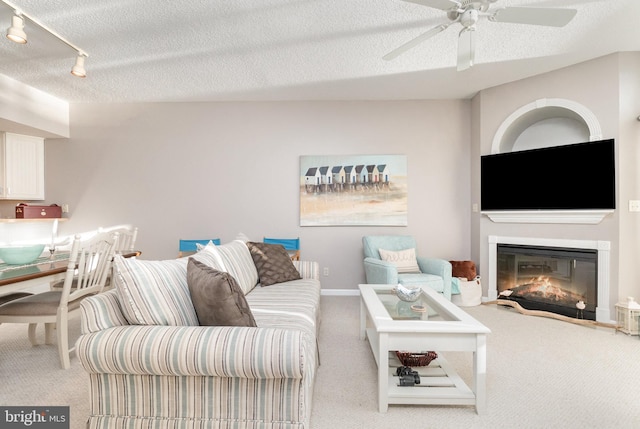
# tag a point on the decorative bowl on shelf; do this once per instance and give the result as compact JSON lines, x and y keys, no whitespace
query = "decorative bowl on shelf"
{"x":20,"y":254}
{"x":407,"y":294}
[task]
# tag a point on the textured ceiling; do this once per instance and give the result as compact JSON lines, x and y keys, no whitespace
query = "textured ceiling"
{"x":150,"y":50}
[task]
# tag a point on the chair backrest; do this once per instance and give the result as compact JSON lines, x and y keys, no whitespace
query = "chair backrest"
{"x":89,"y":265}
{"x":186,"y":247}
{"x":371,"y":244}
{"x":126,"y":239}
{"x":291,"y":245}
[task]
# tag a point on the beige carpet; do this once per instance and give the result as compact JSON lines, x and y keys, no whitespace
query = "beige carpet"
{"x":542,"y":373}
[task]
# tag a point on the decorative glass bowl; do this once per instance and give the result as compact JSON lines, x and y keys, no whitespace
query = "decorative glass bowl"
{"x":407,"y":294}
{"x":20,"y":254}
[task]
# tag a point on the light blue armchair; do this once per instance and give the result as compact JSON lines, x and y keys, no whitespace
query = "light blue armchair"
{"x":435,"y":273}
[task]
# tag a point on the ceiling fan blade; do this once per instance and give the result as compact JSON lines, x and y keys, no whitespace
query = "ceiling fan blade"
{"x":414,"y":42}
{"x":437,"y":4}
{"x":466,"y":48}
{"x":534,"y":16}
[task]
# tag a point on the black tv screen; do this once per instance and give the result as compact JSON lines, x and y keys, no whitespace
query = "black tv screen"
{"x":571,"y":177}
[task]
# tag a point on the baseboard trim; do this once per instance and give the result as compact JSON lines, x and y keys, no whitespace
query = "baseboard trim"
{"x":340,"y":292}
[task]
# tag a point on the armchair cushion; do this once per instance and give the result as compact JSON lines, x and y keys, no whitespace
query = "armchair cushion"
{"x":404,"y":260}
{"x":216,"y":296}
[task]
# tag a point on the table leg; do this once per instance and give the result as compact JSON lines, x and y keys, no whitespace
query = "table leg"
{"x":363,"y":320}
{"x":383,"y":373}
{"x":480,"y":373}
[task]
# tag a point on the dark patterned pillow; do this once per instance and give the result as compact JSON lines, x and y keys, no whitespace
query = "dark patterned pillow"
{"x":216,"y":297}
{"x":273,"y":263}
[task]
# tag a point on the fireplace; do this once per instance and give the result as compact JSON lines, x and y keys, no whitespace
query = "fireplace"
{"x":579,"y":271}
{"x":554,"y":279}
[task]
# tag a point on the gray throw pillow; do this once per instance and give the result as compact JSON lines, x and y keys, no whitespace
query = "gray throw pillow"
{"x":216,"y":297}
{"x":273,"y":263}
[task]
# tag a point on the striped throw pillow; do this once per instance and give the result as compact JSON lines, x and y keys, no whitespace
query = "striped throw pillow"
{"x":154,"y":292}
{"x":238,"y":262}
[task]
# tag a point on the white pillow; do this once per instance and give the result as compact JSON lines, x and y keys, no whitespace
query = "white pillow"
{"x":209,"y":255}
{"x":405,"y":260}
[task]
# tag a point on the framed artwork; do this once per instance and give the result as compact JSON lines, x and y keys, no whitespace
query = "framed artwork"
{"x":353,"y":190}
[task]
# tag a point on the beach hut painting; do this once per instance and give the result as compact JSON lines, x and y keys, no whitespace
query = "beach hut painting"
{"x":353,"y":190}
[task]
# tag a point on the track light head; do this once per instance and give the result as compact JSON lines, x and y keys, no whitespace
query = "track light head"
{"x":78,"y":68}
{"x":16,"y":32}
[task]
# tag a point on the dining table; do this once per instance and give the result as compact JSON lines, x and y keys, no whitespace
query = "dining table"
{"x":44,"y":270}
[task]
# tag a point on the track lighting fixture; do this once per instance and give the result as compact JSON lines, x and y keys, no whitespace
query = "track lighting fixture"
{"x":17,"y":34}
{"x":78,"y":69}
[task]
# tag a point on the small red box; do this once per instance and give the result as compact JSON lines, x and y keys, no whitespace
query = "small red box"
{"x":25,"y":211}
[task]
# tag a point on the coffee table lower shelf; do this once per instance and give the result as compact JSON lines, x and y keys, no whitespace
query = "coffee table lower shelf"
{"x":447,"y":329}
{"x":439,"y":384}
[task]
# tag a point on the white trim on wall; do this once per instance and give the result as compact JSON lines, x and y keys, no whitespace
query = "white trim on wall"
{"x":550,"y":105}
{"x":340,"y":292}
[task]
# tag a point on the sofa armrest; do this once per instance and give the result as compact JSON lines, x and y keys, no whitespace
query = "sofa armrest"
{"x":438,"y":267}
{"x":380,"y":272}
{"x":222,"y":351}
{"x":101,"y":311}
{"x":308,"y":269}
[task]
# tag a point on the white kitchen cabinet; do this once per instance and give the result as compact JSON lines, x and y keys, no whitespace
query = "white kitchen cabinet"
{"x":21,"y":167}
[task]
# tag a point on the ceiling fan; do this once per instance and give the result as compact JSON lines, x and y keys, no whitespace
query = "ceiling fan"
{"x":467,"y":13}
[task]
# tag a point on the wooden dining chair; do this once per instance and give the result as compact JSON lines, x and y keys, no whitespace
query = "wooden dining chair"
{"x":128,"y":234}
{"x":87,"y":271}
{"x":14,"y":295}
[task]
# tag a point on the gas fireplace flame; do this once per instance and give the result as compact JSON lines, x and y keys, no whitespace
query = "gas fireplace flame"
{"x":543,"y":288}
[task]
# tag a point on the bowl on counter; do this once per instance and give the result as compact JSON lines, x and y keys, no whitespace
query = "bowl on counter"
{"x":20,"y":254}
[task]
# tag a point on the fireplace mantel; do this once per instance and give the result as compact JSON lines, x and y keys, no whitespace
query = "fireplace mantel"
{"x":590,"y":217}
{"x":603,"y":248}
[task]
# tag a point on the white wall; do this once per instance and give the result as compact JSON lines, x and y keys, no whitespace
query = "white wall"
{"x":188,"y":170}
{"x":629,"y":176}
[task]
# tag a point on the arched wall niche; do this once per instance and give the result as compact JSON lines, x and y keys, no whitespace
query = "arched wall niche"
{"x":543,"y":123}
{"x":561,"y":121}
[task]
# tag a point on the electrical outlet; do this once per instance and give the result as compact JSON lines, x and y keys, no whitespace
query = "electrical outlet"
{"x":65,"y":208}
{"x":474,"y":207}
{"x":325,"y":271}
{"x":634,"y":205}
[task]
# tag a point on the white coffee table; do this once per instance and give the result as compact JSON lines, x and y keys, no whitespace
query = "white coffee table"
{"x":389,"y":324}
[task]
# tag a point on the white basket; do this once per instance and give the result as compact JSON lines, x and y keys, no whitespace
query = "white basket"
{"x":470,"y":293}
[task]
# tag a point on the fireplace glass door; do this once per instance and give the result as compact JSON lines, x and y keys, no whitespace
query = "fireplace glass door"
{"x":558,"y":280}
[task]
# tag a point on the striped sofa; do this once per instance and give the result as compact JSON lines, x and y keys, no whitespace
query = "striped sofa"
{"x":181,"y":376}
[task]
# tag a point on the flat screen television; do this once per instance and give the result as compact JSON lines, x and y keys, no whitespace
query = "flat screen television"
{"x":571,"y":177}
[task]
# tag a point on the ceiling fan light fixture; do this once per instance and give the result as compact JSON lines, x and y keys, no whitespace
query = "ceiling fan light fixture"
{"x":469,"y":18}
{"x":16,"y":32}
{"x":467,"y":13}
{"x":78,"y":68}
